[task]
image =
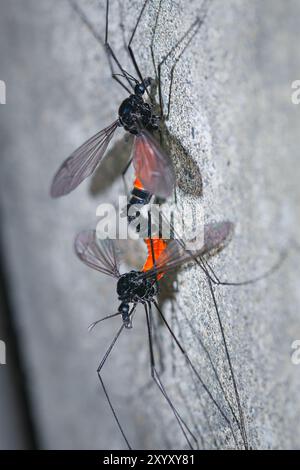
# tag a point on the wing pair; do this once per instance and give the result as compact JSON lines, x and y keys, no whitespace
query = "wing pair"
{"x":153,"y":167}
{"x":101,"y":254}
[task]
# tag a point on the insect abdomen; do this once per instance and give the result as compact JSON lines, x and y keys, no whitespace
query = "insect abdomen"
{"x":155,"y":247}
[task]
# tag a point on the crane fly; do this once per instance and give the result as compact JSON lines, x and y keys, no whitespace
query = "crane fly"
{"x":141,"y":288}
{"x":153,"y":166}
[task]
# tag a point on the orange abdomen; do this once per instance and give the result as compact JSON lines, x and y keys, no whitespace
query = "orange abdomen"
{"x":138,"y":184}
{"x":155,"y":247}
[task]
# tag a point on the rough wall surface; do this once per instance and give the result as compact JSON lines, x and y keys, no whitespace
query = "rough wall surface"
{"x":231,"y":111}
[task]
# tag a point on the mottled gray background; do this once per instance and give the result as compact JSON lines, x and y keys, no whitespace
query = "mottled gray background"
{"x":232,"y":113}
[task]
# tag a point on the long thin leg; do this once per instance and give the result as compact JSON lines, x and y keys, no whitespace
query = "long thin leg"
{"x":211,"y":275}
{"x":203,"y":264}
{"x":269,"y":272}
{"x":173,"y":69}
{"x":191,"y":415}
{"x":201,"y":21}
{"x":153,"y":39}
{"x":128,"y":46}
{"x":158,"y":343}
{"x":104,"y":388}
{"x":197,"y":23}
{"x":111,"y":53}
{"x":183,"y":397}
{"x":130,"y":50}
{"x":102,"y":383}
{"x":205,"y":387}
{"x":123,"y":175}
{"x":137,"y":22}
{"x":173,"y":318}
{"x":203,"y":410}
{"x":92,"y":326}
{"x":121,"y":9}
{"x":237,"y":395}
{"x":86,"y":21}
{"x":200,"y":341}
{"x":183,"y":426}
{"x":98,"y":38}
{"x":191,"y":373}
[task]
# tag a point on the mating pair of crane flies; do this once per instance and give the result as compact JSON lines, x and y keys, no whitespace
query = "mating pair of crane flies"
{"x":155,"y":176}
{"x":155,"y":172}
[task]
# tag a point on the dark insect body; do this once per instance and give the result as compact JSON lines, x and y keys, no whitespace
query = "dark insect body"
{"x":135,"y":113}
{"x":138,"y":198}
{"x":132,"y":289}
{"x":139,"y":195}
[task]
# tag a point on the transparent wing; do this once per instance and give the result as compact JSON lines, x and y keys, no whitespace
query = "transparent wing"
{"x":152,"y":166}
{"x":175,"y":254}
{"x":97,"y":254}
{"x":82,"y":162}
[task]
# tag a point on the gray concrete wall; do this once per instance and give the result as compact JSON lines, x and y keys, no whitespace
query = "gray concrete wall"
{"x":233,"y":87}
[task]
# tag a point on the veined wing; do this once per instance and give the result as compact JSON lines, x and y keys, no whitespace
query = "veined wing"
{"x":153,"y":166}
{"x":82,"y":162}
{"x":97,"y":254}
{"x":175,"y":254}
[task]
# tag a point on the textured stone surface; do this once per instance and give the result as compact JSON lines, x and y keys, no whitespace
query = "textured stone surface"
{"x":232,"y":114}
